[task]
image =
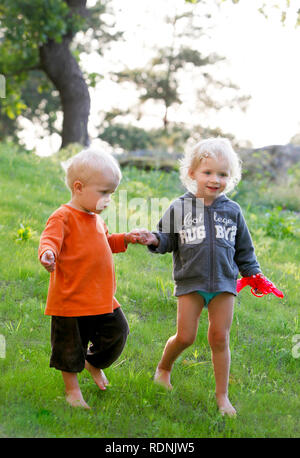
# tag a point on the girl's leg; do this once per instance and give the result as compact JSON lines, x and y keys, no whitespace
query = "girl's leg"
{"x":73,"y":394}
{"x":188,"y":312}
{"x":220,"y":313}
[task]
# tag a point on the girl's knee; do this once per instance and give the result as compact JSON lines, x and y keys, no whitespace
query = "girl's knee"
{"x":218,"y":339}
{"x":185,"y":340}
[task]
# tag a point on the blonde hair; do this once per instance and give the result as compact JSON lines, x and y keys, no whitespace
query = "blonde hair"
{"x":215,"y":148}
{"x":83,"y":165}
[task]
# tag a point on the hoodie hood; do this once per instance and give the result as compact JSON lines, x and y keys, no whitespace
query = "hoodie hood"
{"x":221,"y":199}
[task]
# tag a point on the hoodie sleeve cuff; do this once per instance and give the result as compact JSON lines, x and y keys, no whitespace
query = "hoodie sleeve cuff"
{"x":159,"y":248}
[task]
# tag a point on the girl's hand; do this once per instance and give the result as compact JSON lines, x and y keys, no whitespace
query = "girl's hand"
{"x":48,"y":260}
{"x":142,"y":236}
{"x":260,"y":285}
{"x":147,"y":238}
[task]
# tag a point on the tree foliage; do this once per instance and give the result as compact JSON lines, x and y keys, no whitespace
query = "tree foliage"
{"x":25,"y":29}
{"x":159,"y":79}
{"x":25,"y":26}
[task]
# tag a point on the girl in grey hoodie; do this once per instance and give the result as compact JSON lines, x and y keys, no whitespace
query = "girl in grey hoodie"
{"x":210,"y":242}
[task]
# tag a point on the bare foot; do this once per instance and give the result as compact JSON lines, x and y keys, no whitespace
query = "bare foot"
{"x":162,"y":377}
{"x":98,"y":376}
{"x":75,"y":399}
{"x":225,"y":406}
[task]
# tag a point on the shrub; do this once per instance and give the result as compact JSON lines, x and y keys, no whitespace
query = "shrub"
{"x":279,"y":225}
{"x":24,"y":233}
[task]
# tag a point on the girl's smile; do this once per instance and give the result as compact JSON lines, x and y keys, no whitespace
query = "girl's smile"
{"x":212,"y":188}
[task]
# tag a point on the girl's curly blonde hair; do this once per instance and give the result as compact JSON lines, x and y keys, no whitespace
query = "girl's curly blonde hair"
{"x":211,"y":147}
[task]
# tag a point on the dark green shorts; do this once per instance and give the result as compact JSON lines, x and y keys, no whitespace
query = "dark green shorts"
{"x":207,"y":296}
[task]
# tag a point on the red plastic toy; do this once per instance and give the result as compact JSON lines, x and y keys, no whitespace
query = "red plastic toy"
{"x":260,"y":286}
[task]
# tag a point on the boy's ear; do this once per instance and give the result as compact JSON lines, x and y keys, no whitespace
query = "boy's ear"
{"x":77,"y":186}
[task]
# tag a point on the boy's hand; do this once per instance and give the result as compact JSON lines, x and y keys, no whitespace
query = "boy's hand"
{"x":48,"y":260}
{"x":142,"y":236}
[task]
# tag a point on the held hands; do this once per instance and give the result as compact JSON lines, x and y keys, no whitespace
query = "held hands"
{"x":260,"y":286}
{"x":142,"y":236}
{"x":48,"y":260}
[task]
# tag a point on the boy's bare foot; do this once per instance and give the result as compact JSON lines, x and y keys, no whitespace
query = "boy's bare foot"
{"x":162,"y":377}
{"x":98,"y":376}
{"x":225,"y":406}
{"x":75,"y":399}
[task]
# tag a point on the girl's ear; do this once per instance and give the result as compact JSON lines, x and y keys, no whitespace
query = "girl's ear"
{"x":191,"y":174}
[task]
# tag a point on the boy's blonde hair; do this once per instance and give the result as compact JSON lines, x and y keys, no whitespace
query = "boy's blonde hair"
{"x":214,"y":148}
{"x":83,"y":165}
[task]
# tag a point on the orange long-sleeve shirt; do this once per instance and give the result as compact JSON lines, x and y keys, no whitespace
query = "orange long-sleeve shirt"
{"x":83,"y":282}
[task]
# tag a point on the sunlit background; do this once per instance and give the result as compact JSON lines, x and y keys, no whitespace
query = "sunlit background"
{"x":261,"y":59}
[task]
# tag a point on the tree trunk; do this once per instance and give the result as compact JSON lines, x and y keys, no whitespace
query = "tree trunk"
{"x":165,"y":119}
{"x":65,"y":73}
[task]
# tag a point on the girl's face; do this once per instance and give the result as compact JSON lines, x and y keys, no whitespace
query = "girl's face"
{"x":211,"y":176}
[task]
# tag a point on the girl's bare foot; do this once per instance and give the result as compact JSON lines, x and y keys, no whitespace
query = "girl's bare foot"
{"x":225,"y":406}
{"x":162,"y":377}
{"x":75,"y":399}
{"x":98,"y":376}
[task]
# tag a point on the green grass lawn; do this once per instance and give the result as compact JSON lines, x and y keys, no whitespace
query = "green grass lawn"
{"x":264,"y":381}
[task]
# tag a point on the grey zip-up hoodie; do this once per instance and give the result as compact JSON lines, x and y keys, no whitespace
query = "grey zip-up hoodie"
{"x":210,"y":245}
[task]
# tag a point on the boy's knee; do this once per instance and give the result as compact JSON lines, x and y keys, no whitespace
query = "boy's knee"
{"x":121,"y":326}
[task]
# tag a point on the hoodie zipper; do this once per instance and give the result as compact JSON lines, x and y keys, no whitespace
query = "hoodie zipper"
{"x":211,"y":250}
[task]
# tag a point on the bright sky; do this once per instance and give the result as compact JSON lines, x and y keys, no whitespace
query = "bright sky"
{"x":262,"y":59}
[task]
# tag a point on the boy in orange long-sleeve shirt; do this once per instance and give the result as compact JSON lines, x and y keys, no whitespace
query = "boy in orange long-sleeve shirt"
{"x":76,"y":249}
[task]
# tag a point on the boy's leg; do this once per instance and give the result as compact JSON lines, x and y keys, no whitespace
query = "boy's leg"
{"x":68,"y":356}
{"x":220,"y":313}
{"x":73,"y":393}
{"x":189,"y":308}
{"x":108,"y":339}
{"x":98,"y":376}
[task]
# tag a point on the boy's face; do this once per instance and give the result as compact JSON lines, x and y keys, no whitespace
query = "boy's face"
{"x":95,"y":195}
{"x":211,"y":176}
